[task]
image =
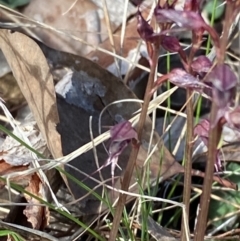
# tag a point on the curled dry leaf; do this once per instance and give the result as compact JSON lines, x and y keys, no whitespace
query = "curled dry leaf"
{"x":7,"y":169}
{"x":82,"y":19}
{"x":37,"y":215}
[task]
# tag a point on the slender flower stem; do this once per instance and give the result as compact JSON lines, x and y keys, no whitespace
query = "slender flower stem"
{"x":188,"y":161}
{"x":214,"y":137}
{"x":133,"y":156}
{"x":205,"y":198}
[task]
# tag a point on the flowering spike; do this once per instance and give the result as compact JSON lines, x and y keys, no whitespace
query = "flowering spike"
{"x":121,"y":134}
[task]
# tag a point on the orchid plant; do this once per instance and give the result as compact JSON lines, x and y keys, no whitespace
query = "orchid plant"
{"x":214,"y":78}
{"x":121,"y":135}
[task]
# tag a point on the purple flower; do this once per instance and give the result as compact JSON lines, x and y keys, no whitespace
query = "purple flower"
{"x":202,"y":130}
{"x":171,"y":44}
{"x":183,"y":79}
{"x":233,"y":118}
{"x":224,"y":83}
{"x":121,"y":135}
{"x":201,"y":65}
{"x":185,"y":19}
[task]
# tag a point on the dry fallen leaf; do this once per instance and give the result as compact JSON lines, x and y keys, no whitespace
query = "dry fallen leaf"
{"x":16,"y":157}
{"x":36,"y":214}
{"x":7,"y":169}
{"x":84,"y":19}
{"x":87,"y":89}
{"x":32,"y":73}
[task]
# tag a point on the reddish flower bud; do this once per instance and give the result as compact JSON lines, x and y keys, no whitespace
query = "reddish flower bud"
{"x":202,"y":130}
{"x":201,"y":64}
{"x":224,"y":83}
{"x":171,"y":44}
{"x":144,"y":28}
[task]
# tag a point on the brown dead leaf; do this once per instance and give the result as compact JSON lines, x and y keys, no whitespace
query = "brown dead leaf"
{"x":8,"y":169}
{"x":32,"y":73}
{"x":89,"y":88}
{"x":75,"y":22}
{"x":84,"y":19}
{"x":36,"y":214}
